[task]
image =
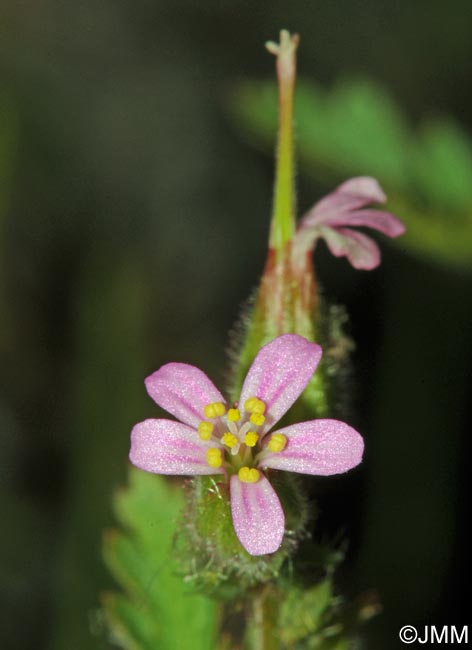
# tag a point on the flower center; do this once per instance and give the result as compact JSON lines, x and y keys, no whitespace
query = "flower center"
{"x":235,"y":431}
{"x":238,"y":442}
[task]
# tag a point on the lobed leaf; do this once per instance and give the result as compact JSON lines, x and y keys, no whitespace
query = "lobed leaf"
{"x":159,"y":610}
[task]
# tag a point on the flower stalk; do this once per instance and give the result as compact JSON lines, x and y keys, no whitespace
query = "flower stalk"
{"x":262,"y":620}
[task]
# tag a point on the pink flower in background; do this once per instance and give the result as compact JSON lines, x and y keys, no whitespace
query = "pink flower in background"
{"x":211,"y":438}
{"x":333,"y":218}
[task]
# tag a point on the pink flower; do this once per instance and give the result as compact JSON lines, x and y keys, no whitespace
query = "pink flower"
{"x":332,"y":219}
{"x":214,"y":439}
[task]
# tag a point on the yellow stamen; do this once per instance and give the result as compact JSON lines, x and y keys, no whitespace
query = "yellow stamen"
{"x":258,"y":419}
{"x":259,"y":407}
{"x":254,"y":405}
{"x":234,"y":415}
{"x":229,"y":440}
{"x":214,"y":457}
{"x":248,"y":475}
{"x":205,"y":429}
{"x":214,"y":410}
{"x":249,"y":404}
{"x":251,"y":439}
{"x":277,"y":442}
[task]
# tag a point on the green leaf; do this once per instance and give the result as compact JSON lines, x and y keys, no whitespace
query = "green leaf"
{"x":129,"y":628}
{"x":442,"y":164}
{"x":302,"y":611}
{"x":159,"y":611}
{"x":356,"y":122}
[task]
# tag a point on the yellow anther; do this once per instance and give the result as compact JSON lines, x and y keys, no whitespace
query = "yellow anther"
{"x":258,"y":419}
{"x":259,"y":407}
{"x":249,"y":404}
{"x":229,"y":440}
{"x":214,"y":410}
{"x":251,"y":439}
{"x":214,"y":457}
{"x":205,"y":429}
{"x":277,"y":442}
{"x":234,"y":415}
{"x":248,"y":475}
{"x":254,"y":405}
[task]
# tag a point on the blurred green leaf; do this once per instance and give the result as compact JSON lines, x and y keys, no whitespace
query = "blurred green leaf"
{"x":302,"y":611}
{"x":442,"y":164}
{"x":336,"y":133}
{"x":357,"y":129}
{"x":159,"y":610}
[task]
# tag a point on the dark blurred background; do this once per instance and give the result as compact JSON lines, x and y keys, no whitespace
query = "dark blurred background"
{"x":133,"y":224}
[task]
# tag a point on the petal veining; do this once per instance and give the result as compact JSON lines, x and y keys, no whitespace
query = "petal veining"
{"x":320,"y":447}
{"x":167,"y":447}
{"x":280,"y":373}
{"x":183,"y":390}
{"x":258,"y":517}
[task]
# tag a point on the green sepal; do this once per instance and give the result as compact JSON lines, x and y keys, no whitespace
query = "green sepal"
{"x":209,"y":550}
{"x":325,"y":395}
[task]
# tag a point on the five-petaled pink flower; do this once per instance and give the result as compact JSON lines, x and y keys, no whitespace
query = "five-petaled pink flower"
{"x":214,"y":439}
{"x":332,"y":219}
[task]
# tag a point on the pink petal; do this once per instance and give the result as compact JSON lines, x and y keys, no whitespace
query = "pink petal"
{"x":258,"y":517}
{"x":351,"y":195}
{"x":183,"y":390}
{"x":348,"y":206}
{"x":330,"y":208}
{"x":280,"y":373}
{"x":384,"y":222}
{"x":361,"y":251}
{"x":167,"y":447}
{"x":320,"y":447}
{"x":365,"y":187}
